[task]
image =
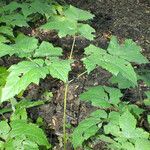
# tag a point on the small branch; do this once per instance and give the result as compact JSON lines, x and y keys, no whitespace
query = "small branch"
{"x":73,"y":44}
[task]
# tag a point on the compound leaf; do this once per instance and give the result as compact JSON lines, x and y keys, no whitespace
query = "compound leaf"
{"x":30,"y":131}
{"x":113,"y":64}
{"x":21,"y":75}
{"x":102,"y":96}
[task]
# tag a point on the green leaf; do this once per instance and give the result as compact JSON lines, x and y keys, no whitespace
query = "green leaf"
{"x":102,"y":96}
{"x":46,"y":49}
{"x":112,"y":129}
{"x":145,"y":76}
{"x":21,"y":75}
{"x":114,"y":117}
{"x":11,"y":6}
{"x":4,"y":129}
{"x":6,"y":30}
{"x":14,"y":20}
{"x":85,"y":130}
{"x":127,"y":123}
{"x":122,"y":82}
{"x":129,"y":50}
{"x":42,"y":7}
{"x":30,"y":131}
{"x":6,"y":50}
{"x":59,"y":69}
{"x":148,"y":118}
{"x":142,"y":144}
{"x":77,"y":14}
{"x":3,"y":75}
{"x":25,"y":44}
{"x":86,"y":31}
{"x":63,"y":25}
{"x":115,"y":65}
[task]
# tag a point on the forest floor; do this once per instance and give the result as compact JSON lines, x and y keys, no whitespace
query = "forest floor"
{"x":123,"y":18}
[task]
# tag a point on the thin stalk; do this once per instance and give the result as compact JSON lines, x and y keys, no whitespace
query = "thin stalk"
{"x":65,"y":100}
{"x":73,"y":44}
{"x":64,"y":116}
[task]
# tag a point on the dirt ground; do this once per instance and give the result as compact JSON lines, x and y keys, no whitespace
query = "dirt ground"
{"x":123,"y":18}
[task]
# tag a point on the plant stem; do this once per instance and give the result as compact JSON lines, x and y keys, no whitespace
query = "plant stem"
{"x":65,"y":100}
{"x":64,"y":115}
{"x":73,"y":44}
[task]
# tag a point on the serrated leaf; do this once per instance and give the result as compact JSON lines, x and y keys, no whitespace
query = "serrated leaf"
{"x":3,"y":39}
{"x":112,"y":129}
{"x":63,"y":25}
{"x":25,"y":44}
{"x":145,"y":76}
{"x":85,"y":130}
{"x":14,"y":20}
{"x":6,"y":30}
{"x":142,"y":144}
{"x":21,"y":75}
{"x":86,"y":31}
{"x":99,"y":114}
{"x":3,"y":75}
{"x":114,"y":117}
{"x":11,"y":6}
{"x":30,"y":131}
{"x":77,"y":14}
{"x":113,"y":64}
{"x":127,"y":123}
{"x":59,"y":69}
{"x":4,"y":129}
{"x":41,"y":7}
{"x":46,"y":49}
{"x":6,"y":50}
{"x":102,"y":96}
{"x":129,"y":50}
{"x":122,"y":82}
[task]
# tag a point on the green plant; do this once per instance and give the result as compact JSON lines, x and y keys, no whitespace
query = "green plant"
{"x":19,"y":133}
{"x":40,"y":58}
{"x":115,"y":122}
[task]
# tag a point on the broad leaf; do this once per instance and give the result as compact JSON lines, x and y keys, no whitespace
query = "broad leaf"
{"x":46,"y":49}
{"x":25,"y":44}
{"x":14,"y":20}
{"x":6,"y":30}
{"x":142,"y":144}
{"x":122,"y":82}
{"x":129,"y":50}
{"x":59,"y":68}
{"x":102,"y":96}
{"x":86,"y":31}
{"x":77,"y":14}
{"x":63,"y":25}
{"x":6,"y":50}
{"x":21,"y":75}
{"x":79,"y":134}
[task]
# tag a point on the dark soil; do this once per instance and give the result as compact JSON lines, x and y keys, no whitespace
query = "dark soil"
{"x":123,"y":18}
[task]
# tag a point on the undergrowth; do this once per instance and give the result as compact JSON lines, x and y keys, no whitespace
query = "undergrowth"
{"x":115,"y":122}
